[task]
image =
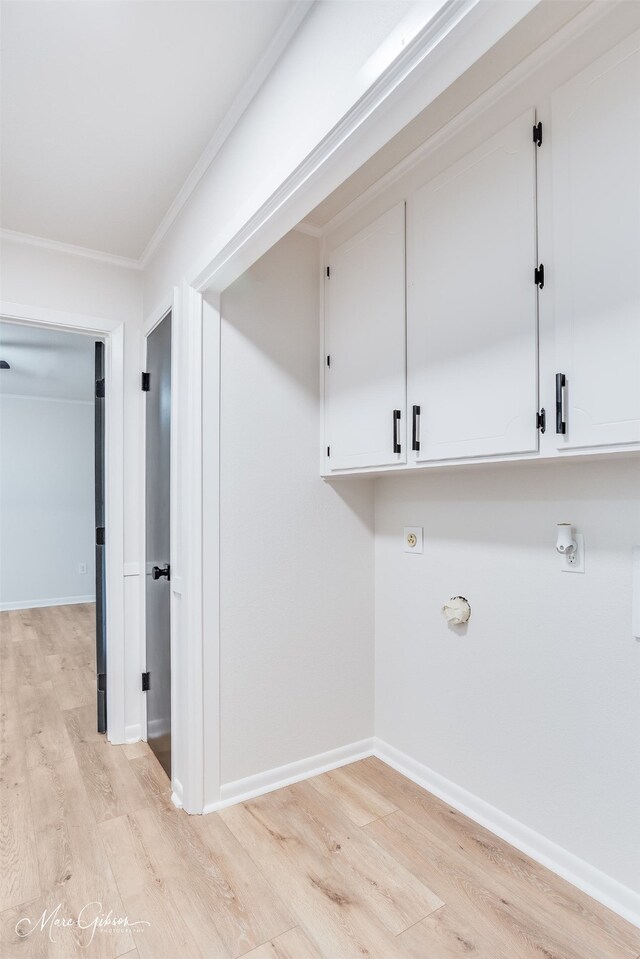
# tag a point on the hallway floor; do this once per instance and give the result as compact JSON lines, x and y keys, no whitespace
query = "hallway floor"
{"x":356,"y":863}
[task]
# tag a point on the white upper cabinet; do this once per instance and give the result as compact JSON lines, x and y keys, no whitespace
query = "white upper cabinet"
{"x":595,"y":267}
{"x":365,"y":347}
{"x":472,"y":303}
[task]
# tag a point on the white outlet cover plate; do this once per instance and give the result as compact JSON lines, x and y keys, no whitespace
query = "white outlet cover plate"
{"x":417,"y":532}
{"x":577,"y":567}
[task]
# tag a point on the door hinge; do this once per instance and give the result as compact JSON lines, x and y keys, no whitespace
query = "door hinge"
{"x":99,"y":388}
{"x":537,"y":133}
{"x":329,"y":361}
{"x":146,"y":382}
{"x":328,"y":272}
{"x":145,"y":682}
{"x":99,"y":535}
{"x":541,"y":420}
{"x":102,"y":683}
{"x":538,"y":276}
{"x":328,"y":451}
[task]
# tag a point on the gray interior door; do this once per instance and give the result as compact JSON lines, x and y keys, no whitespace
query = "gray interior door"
{"x":157,"y":680}
{"x":101,"y":617}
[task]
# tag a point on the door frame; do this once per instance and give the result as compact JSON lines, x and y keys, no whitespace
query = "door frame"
{"x":188,"y":763}
{"x":112,"y":332}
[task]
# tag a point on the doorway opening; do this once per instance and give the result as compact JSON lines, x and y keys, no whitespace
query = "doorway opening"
{"x":50,"y":449}
{"x":52,"y":493}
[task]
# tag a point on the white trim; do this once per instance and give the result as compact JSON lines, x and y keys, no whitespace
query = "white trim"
{"x":259,"y":74}
{"x":486,"y":101}
{"x":601,"y":887}
{"x":243,"y":789}
{"x":211,"y":330}
{"x":155,"y":318}
{"x":57,"y":246}
{"x":131,"y":569}
{"x":47,"y":399}
{"x":176,"y":794}
{"x":112,"y":331}
{"x":40,"y":603}
{"x":389,"y":103}
{"x":60,"y":319}
{"x":133,"y":734}
{"x":309,"y":229}
{"x":187,"y":680}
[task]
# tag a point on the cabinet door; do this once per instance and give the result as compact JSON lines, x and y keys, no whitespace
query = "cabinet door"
{"x":472,"y":302}
{"x":595,"y":269}
{"x":365,"y":382}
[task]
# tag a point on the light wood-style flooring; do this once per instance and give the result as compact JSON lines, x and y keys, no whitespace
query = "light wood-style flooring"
{"x":355,"y":863}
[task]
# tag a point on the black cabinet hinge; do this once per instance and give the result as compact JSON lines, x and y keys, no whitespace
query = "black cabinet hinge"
{"x":538,"y":276}
{"x":145,"y":682}
{"x":99,"y":388}
{"x":99,"y":535}
{"x":541,"y":420}
{"x":537,"y":133}
{"x":328,"y":272}
{"x":146,"y":382}
{"x":102,"y":683}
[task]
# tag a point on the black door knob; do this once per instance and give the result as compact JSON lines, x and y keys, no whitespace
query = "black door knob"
{"x":157,"y":572}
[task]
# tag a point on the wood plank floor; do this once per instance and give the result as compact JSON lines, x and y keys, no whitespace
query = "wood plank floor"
{"x":356,"y":863}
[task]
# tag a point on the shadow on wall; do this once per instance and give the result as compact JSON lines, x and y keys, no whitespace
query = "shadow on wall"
{"x":513,"y":503}
{"x":296,"y":577}
{"x":274,"y":306}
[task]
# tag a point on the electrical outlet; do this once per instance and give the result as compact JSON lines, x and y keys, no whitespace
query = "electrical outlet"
{"x":82,"y":568}
{"x":413,"y":539}
{"x":574,"y":562}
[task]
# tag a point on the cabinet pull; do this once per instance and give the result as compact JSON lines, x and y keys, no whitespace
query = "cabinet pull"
{"x":561,"y":382}
{"x":397,"y":448}
{"x":415,"y":442}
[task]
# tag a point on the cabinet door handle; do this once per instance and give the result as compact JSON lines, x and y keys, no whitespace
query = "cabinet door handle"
{"x":415,"y":442}
{"x":397,"y":448}
{"x":561,"y":382}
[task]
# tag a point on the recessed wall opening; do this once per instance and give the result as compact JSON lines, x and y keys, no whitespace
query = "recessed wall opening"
{"x":52,"y":507}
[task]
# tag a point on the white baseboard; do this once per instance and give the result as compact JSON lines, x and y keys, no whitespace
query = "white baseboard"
{"x":176,"y":794}
{"x":271,"y":779}
{"x":622,"y":900}
{"x":133,"y":734}
{"x":601,"y":887}
{"x":40,"y":603}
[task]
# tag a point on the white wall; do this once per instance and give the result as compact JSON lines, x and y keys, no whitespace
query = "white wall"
{"x":534,"y":707}
{"x":296,"y":554}
{"x":46,"y":501}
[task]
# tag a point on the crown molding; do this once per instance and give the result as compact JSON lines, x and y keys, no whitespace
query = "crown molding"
{"x":308,"y":229}
{"x":56,"y":246}
{"x":218,"y":271}
{"x":259,"y":74}
{"x":551,"y":47}
{"x":257,"y":77}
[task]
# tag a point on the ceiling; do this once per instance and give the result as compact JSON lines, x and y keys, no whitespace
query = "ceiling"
{"x":46,"y":363}
{"x":107,"y":105}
